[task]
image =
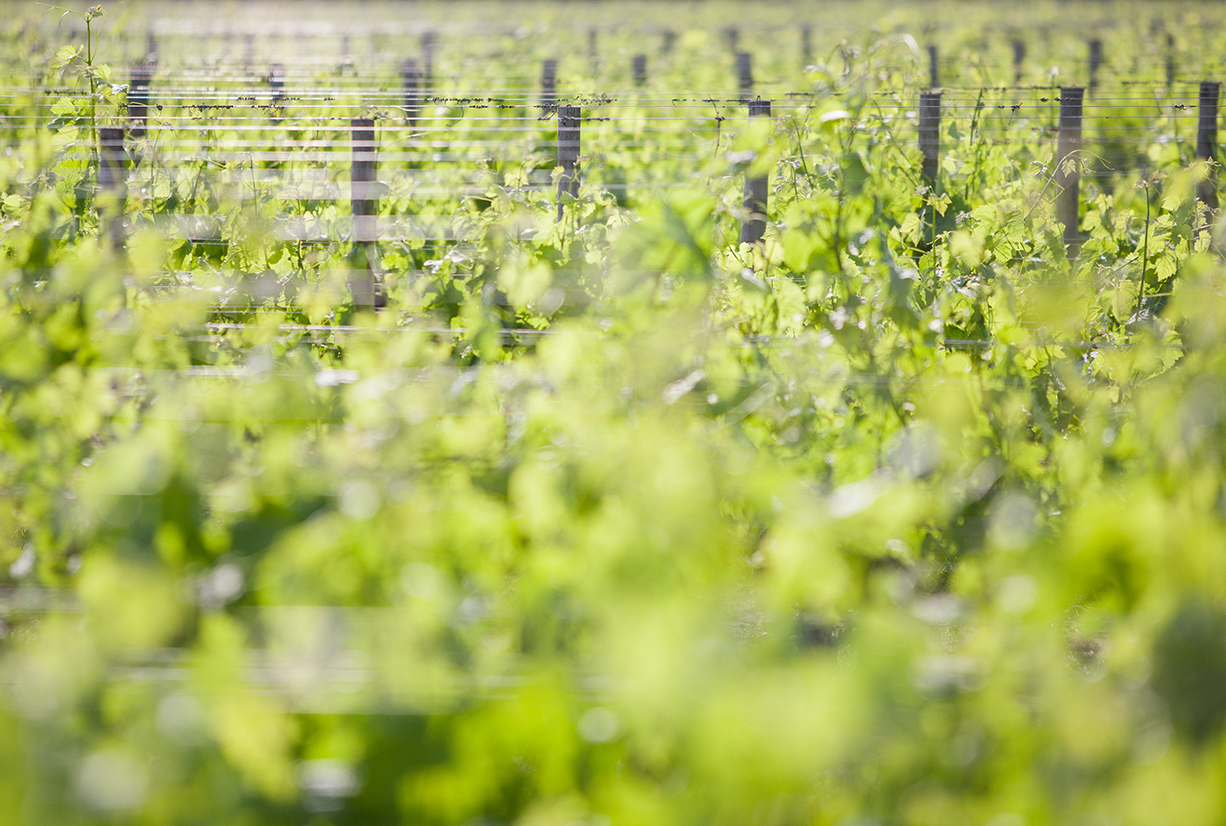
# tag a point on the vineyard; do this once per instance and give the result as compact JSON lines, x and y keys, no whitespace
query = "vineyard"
{"x":612,"y":413}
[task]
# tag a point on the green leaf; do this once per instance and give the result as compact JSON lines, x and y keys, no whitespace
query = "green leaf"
{"x":65,"y":55}
{"x":1166,"y":266}
{"x":912,"y":228}
{"x":798,"y":248}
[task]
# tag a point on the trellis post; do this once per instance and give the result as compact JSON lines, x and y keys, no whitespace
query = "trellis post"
{"x":744,"y":74}
{"x":112,"y":181}
{"x":756,"y":188}
{"x":139,"y":80}
{"x":733,"y":35}
{"x":1068,"y":175}
{"x":1096,"y":60}
{"x":1206,"y":140}
{"x":930,"y":133}
{"x":428,"y":42}
{"x":549,"y":85}
{"x":569,"y":118}
{"x":364,"y":203}
{"x":411,"y":79}
{"x":1170,"y":61}
{"x":276,"y":84}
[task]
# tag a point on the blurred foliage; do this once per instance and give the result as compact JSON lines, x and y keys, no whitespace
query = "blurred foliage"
{"x":900,"y":517}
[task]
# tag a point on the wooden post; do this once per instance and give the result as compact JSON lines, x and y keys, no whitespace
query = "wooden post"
{"x":276,"y":83}
{"x":1170,"y":61}
{"x":593,"y":50}
{"x":428,"y":41}
{"x":806,"y":45}
{"x":138,"y":99}
{"x":1096,"y":60}
{"x":934,"y":74}
{"x":670,"y":40}
{"x":1206,"y":140}
{"x":639,"y":67}
{"x":363,"y":203}
{"x":410,"y":76}
{"x":1019,"y":58}
{"x":151,"y":48}
{"x":744,"y":74}
{"x":733,"y":34}
{"x":756,"y":191}
{"x":568,"y":154}
{"x":1068,"y":179}
{"x":930,"y":134}
{"x":112,"y":181}
{"x":549,"y":85}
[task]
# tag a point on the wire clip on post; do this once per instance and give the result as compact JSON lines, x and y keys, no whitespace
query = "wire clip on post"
{"x":568,"y":154}
{"x":1068,"y":175}
{"x":754,"y":226}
